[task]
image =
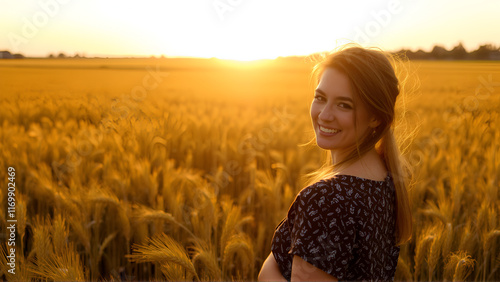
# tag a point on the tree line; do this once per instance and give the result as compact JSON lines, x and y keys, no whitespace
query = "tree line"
{"x":483,"y":52}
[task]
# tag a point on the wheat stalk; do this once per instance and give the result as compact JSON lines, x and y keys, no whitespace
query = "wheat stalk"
{"x":66,"y":266}
{"x":230,"y":222}
{"x":488,"y":242}
{"x":162,"y":249}
{"x":403,"y":270}
{"x":147,"y":214}
{"x":434,"y":253}
{"x":238,"y":247}
{"x":448,"y":240}
{"x":422,"y":247}
{"x":205,"y":259}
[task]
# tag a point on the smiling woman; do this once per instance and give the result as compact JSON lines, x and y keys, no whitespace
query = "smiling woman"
{"x":333,"y":115}
{"x":348,"y":224}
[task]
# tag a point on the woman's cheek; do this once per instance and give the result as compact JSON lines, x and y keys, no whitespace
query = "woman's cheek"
{"x":314,"y":110}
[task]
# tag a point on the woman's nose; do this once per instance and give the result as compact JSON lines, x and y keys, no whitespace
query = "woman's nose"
{"x":326,"y":114}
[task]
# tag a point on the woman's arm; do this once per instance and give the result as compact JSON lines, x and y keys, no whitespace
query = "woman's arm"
{"x":304,"y":271}
{"x":270,"y":270}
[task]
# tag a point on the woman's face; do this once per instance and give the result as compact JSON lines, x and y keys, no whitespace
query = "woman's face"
{"x":338,"y":117}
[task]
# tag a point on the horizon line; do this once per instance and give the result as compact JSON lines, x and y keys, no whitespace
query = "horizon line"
{"x":83,"y":55}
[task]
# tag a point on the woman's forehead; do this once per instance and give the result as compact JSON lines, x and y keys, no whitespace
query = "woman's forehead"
{"x":334,"y":83}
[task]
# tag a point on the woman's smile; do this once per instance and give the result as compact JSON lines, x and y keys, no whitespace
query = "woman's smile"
{"x":328,"y":131}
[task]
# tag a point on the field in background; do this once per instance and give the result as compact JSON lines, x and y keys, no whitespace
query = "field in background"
{"x":180,"y":169}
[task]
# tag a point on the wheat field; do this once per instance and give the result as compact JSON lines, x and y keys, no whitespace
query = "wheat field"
{"x":180,"y":169}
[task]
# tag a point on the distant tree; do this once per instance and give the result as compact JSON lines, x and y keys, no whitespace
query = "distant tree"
{"x":483,"y":52}
{"x":495,"y":54}
{"x":439,"y":52}
{"x":420,"y":55}
{"x":51,"y":56}
{"x":61,"y":56}
{"x":458,"y":52}
{"x":404,"y":54}
{"x":5,"y":55}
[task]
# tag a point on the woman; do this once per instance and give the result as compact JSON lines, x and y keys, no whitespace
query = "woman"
{"x":349,"y":223}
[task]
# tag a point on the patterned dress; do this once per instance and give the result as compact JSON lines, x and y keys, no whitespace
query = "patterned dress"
{"x":344,"y":226}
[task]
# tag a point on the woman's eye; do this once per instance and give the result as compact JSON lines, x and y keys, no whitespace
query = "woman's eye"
{"x":345,"y":106}
{"x":319,"y":98}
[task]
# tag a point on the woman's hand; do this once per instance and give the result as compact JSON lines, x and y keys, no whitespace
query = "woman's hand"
{"x":270,"y":270}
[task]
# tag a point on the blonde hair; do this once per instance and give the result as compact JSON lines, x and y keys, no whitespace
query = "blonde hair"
{"x":374,"y":81}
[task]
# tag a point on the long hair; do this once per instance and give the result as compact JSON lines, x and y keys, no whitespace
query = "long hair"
{"x":374,"y":81}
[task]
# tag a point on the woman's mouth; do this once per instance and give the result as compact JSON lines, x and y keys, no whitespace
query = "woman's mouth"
{"x":328,"y":131}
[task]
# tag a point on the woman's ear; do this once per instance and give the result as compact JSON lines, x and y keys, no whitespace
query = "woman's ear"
{"x":374,"y":122}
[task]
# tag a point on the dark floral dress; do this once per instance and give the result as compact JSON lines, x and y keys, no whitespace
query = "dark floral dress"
{"x":344,"y":226}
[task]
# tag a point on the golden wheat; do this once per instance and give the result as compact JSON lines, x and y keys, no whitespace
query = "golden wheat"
{"x":190,"y":180}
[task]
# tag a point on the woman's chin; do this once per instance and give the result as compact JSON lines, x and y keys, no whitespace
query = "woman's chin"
{"x":324,"y":145}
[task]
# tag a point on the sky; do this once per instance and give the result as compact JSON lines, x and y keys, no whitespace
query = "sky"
{"x":240,"y":29}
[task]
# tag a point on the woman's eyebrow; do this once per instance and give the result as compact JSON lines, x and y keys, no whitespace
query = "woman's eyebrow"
{"x":343,"y":98}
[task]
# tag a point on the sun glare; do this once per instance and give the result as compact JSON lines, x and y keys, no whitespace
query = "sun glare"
{"x":246,"y":56}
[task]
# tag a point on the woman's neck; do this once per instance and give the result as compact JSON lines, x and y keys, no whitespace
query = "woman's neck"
{"x":369,"y":166}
